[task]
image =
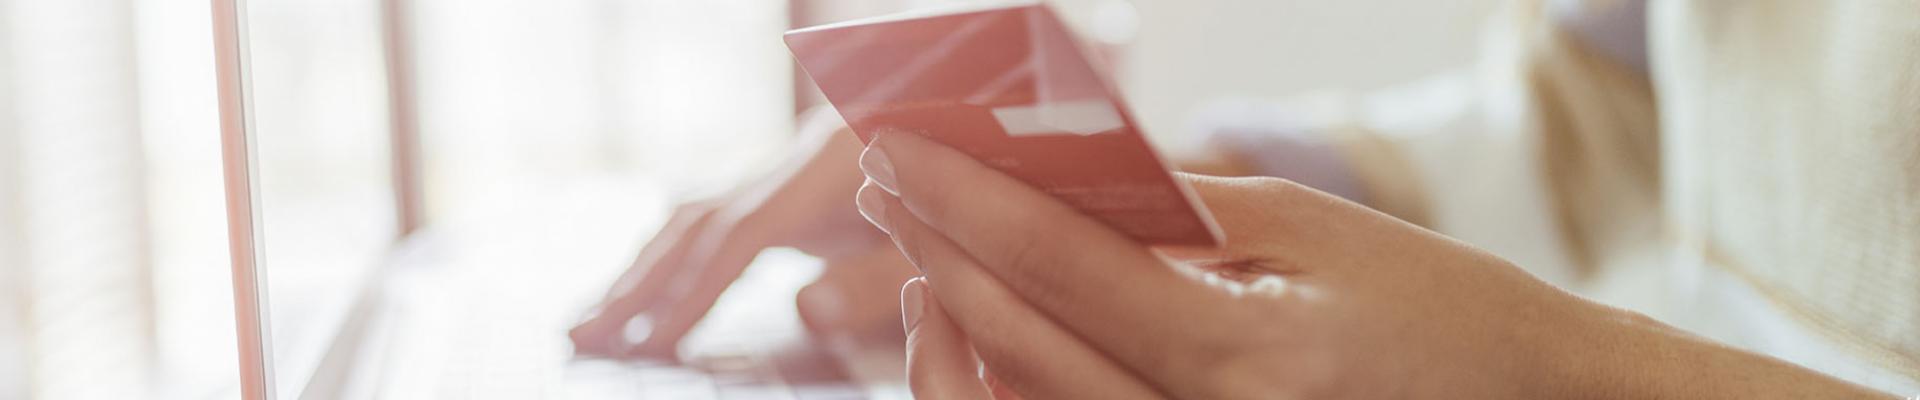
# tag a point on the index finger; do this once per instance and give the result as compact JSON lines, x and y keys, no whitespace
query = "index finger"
{"x":599,"y":333}
{"x":678,"y":288}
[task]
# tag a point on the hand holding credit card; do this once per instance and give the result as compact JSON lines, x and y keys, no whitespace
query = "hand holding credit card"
{"x":1010,"y":86}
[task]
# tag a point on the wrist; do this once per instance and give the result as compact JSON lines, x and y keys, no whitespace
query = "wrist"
{"x":1608,"y":354}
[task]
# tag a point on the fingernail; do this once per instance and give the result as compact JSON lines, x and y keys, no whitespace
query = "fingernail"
{"x":873,"y":205}
{"x":913,"y":302}
{"x":878,"y":167}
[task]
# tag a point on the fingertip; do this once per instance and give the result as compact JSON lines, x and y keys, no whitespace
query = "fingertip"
{"x":913,"y":300}
{"x":822,"y":307}
{"x":598,"y":334}
{"x":878,"y":167}
{"x":901,"y":225}
{"x":940,"y":361}
{"x":654,"y":335}
{"x":587,"y":339}
{"x":875,"y":204}
{"x":910,"y":165}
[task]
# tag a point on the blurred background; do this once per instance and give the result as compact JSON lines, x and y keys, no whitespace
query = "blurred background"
{"x":113,"y":269}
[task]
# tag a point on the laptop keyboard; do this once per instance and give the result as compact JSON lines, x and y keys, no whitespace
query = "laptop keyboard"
{"x":510,"y":342}
{"x":789,"y":375}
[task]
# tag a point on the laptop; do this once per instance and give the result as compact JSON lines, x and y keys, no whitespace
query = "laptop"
{"x":466,"y":308}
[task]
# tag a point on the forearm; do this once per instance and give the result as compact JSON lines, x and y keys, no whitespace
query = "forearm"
{"x":1632,"y":357}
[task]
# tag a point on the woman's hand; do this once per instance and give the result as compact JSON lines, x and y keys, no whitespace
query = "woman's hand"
{"x":704,"y":246}
{"x":1310,"y":297}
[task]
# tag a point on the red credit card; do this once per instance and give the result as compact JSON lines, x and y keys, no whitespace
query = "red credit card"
{"x":1010,"y":86}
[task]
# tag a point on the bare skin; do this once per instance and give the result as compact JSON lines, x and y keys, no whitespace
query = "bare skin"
{"x":706,"y":245}
{"x":808,"y":205}
{"x":1312,"y":297}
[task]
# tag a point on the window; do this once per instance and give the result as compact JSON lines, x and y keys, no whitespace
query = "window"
{"x":111,"y":217}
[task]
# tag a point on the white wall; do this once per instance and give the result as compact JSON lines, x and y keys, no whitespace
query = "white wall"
{"x":1189,"y":51}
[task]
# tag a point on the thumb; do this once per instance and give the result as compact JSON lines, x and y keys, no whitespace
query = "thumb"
{"x":1264,"y":219}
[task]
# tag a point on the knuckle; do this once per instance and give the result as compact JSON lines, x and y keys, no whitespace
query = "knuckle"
{"x":1023,"y":254}
{"x":930,"y":202}
{"x":1030,"y":268}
